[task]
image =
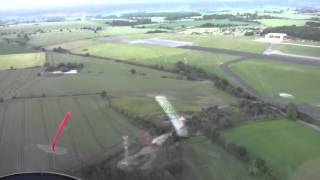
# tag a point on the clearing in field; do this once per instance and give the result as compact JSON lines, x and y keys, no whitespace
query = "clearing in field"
{"x":21,"y":60}
{"x":287,"y":147}
{"x":271,"y":78}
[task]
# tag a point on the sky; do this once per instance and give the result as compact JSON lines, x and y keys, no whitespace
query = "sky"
{"x":28,"y":4}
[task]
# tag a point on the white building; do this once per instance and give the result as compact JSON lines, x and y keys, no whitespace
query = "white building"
{"x":277,"y":37}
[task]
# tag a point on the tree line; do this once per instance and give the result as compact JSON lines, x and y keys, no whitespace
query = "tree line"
{"x":64,"y":67}
{"x":238,"y":17}
{"x":303,"y":32}
{"x":167,"y":15}
{"x":129,"y":23}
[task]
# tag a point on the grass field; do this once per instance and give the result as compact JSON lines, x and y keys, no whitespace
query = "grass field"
{"x":164,"y":56}
{"x":282,"y":22}
{"x":12,"y":48}
{"x":116,"y":79}
{"x":74,"y":44}
{"x":11,"y":81}
{"x":285,"y":145}
{"x":93,"y":132}
{"x":52,"y":38}
{"x":99,"y":127}
{"x":271,"y":78}
{"x":246,"y":44}
{"x":300,"y":50}
{"x":65,"y":37}
{"x":204,"y":160}
{"x":21,"y":60}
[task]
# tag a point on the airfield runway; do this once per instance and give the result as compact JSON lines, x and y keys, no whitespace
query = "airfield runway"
{"x":306,"y":108}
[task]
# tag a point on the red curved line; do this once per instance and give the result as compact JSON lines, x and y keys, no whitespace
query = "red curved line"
{"x":61,"y":126}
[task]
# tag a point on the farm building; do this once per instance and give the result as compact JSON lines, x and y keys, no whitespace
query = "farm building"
{"x":203,"y":31}
{"x":276,"y":36}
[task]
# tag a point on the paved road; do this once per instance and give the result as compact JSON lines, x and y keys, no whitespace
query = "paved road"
{"x":306,"y":108}
{"x":244,"y":85}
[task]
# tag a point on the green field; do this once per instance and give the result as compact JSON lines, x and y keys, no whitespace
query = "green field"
{"x":271,"y":78}
{"x":116,"y":79}
{"x":282,"y":22}
{"x":74,"y":44}
{"x":164,"y":56}
{"x":52,"y":38}
{"x":94,"y":130}
{"x":11,"y":81}
{"x":21,"y":60}
{"x":57,"y":37}
{"x":284,"y":145}
{"x":204,"y":160}
{"x":246,"y":44}
{"x":12,"y":48}
{"x":299,"y":50}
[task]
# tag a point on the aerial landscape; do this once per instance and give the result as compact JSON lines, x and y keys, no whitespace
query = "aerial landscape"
{"x":148,"y":90}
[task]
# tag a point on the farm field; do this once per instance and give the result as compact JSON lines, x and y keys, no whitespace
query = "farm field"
{"x":12,"y":48}
{"x":286,"y":146}
{"x":300,"y":50}
{"x":28,"y":126}
{"x":99,"y":75}
{"x":110,"y":63}
{"x":100,"y":127}
{"x":58,"y":37}
{"x":204,"y":160}
{"x":74,"y":44}
{"x":11,"y":81}
{"x":282,"y":22}
{"x":158,"y":55}
{"x":52,"y":38}
{"x":25,"y":60}
{"x":271,"y":78}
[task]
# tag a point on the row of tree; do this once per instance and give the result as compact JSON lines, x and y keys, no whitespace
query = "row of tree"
{"x":313,"y":24}
{"x":167,"y":15}
{"x":129,"y":23}
{"x":208,"y":25}
{"x":303,"y":32}
{"x":238,"y":17}
{"x":64,"y":67}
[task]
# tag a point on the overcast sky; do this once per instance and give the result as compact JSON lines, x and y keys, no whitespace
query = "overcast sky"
{"x":28,"y":4}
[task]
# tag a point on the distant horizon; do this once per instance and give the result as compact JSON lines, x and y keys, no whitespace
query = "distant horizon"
{"x":53,"y":4}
